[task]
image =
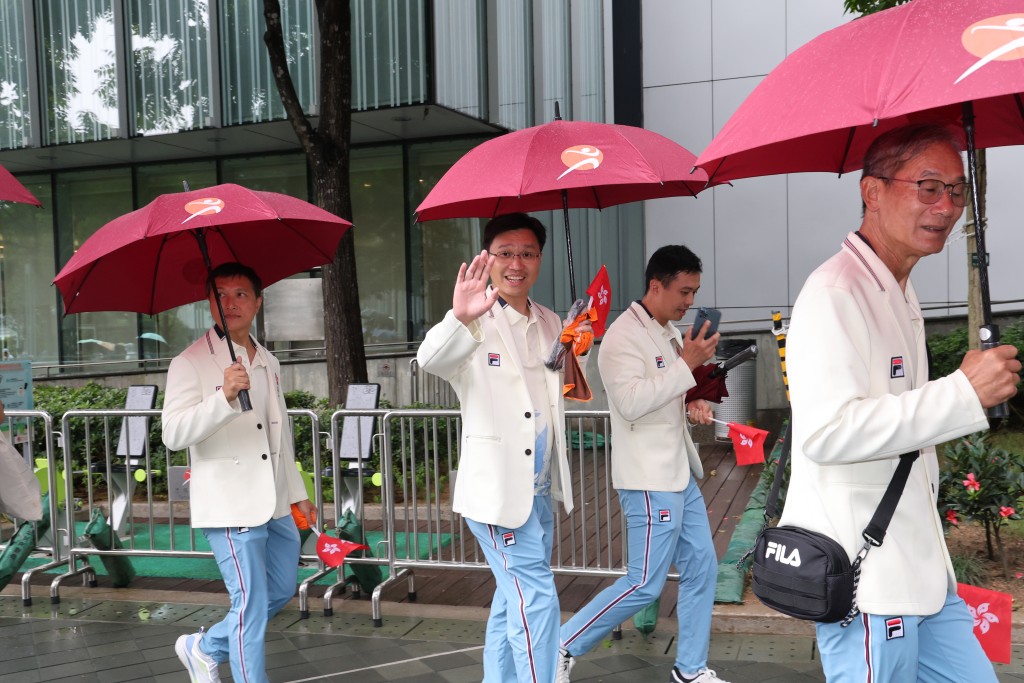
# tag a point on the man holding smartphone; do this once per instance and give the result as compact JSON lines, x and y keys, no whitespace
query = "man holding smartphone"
{"x":647,"y":369}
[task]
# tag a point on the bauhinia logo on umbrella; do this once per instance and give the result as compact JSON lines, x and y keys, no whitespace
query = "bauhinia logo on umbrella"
{"x":203,"y":207}
{"x":994,"y":39}
{"x":581,"y":158}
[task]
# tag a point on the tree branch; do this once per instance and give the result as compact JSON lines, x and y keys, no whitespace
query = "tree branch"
{"x":274,"y":39}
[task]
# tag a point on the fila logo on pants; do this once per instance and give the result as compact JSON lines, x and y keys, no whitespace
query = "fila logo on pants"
{"x":779,"y":551}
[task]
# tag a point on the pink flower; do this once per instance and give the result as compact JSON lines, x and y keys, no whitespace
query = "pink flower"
{"x":971,"y":483}
{"x":951,"y":516}
{"x":1006,"y":511}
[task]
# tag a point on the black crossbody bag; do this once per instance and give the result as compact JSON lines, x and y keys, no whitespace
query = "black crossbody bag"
{"x":808,"y":575}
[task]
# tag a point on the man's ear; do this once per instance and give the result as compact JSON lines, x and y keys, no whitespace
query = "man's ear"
{"x":870,"y":187}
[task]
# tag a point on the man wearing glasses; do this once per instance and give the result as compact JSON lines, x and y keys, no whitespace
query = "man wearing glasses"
{"x":861,"y":396}
{"x":491,"y":347}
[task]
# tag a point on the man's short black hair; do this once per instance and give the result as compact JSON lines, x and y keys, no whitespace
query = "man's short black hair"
{"x":514,"y":221}
{"x":234,"y":269}
{"x":669,"y":261}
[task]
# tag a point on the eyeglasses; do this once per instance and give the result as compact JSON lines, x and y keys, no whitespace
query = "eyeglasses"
{"x":507,"y":256}
{"x":930,"y":190}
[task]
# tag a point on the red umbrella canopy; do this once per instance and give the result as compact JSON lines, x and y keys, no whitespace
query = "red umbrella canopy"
{"x":596,"y":164}
{"x":13,"y":191}
{"x":149,"y":260}
{"x":821,"y":108}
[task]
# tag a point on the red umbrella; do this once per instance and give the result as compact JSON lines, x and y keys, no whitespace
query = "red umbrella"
{"x":158,"y":257}
{"x":711,"y":377}
{"x":821,"y":108}
{"x":151,"y":260}
{"x":13,"y":191}
{"x":944,"y":61}
{"x":563,"y":165}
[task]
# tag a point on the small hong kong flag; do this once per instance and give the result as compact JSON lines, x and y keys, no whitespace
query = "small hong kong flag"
{"x":601,"y":292}
{"x":748,"y":442}
{"x":333,"y":551}
{"x":992,"y":619}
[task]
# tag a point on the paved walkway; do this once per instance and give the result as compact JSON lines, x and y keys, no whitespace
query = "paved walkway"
{"x":108,"y":635}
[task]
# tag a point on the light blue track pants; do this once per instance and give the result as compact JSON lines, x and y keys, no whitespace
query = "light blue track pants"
{"x":260,"y":565}
{"x":663,"y":528}
{"x":521,"y":644}
{"x":940,"y":648}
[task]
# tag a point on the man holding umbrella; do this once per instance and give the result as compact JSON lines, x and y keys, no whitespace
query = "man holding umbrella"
{"x":861,"y":397}
{"x":243,"y":476}
{"x":491,"y":347}
{"x":647,"y":369}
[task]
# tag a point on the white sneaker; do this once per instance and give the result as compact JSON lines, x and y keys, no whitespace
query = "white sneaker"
{"x":565,"y":664}
{"x":705,"y":675}
{"x":202,"y":668}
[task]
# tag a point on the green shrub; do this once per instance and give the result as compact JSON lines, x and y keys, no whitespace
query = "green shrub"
{"x":981,"y":483}
{"x":969,"y":569}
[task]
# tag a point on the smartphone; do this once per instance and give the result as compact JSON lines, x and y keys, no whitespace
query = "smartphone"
{"x":703,"y":315}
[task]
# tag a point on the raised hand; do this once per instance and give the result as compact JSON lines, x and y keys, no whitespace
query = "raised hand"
{"x":235,"y":379}
{"x":470,"y":300}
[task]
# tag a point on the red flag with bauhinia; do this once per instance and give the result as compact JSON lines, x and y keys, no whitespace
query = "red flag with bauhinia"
{"x":601,"y":290}
{"x":333,"y":551}
{"x":748,"y":442}
{"x":992,"y":619}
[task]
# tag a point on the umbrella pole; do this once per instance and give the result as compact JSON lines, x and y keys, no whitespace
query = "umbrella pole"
{"x":243,"y":395}
{"x":989,"y":331}
{"x":568,"y":246}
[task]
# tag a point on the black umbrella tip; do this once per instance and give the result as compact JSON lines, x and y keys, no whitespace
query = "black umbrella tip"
{"x":558,"y":113}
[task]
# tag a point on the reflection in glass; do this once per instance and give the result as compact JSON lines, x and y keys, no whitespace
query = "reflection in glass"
{"x":14,"y":85}
{"x":79,"y":71}
{"x":380,"y":243}
{"x":437,"y":248}
{"x":28,"y":304}
{"x":170,"y":65}
{"x":554,"y":65}
{"x":388,"y":53}
{"x":588,"y":60}
{"x":88,"y":201}
{"x":250,"y":94}
{"x":460,"y":57}
{"x":514,"y":23}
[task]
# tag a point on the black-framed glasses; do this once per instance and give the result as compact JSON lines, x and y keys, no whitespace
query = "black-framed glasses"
{"x":930,"y":190}
{"x":506,"y":256}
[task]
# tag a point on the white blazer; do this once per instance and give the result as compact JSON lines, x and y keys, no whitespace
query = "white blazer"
{"x":495,"y":478}
{"x":858,"y":378}
{"x":647,"y":381}
{"x":233,"y":455}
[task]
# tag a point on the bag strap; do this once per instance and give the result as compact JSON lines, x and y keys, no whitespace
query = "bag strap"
{"x":874,"y":532}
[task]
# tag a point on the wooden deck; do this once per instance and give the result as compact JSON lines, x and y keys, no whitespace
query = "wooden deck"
{"x":726,"y":489}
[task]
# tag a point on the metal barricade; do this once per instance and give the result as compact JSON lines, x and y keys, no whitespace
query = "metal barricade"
{"x":347,"y":480}
{"x":30,"y":430}
{"x":91,"y":463}
{"x":429,"y":389}
{"x":421,"y":449}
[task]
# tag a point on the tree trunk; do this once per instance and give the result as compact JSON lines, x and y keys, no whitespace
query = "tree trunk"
{"x":327,"y":151}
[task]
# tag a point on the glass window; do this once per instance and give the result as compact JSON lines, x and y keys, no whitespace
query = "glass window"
{"x":284,"y":173}
{"x":170,"y":65}
{"x":437,"y":248}
{"x":249,"y":91}
{"x":167,"y":334}
{"x":460,"y":57}
{"x":554,"y":61}
{"x":79,"y":73}
{"x":28,"y":304}
{"x":380,"y":243}
{"x":14,"y":84}
{"x":588,"y":60}
{"x":88,"y":200}
{"x":514,"y":28}
{"x":388,"y":53}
